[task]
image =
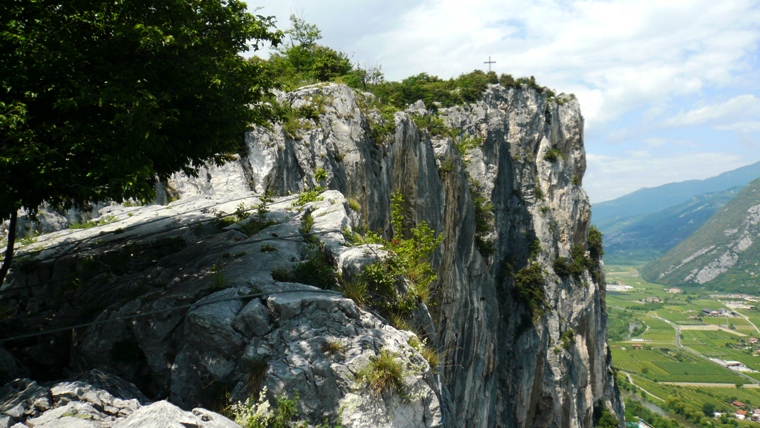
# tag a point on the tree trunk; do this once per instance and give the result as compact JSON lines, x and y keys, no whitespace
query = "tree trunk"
{"x":9,"y":250}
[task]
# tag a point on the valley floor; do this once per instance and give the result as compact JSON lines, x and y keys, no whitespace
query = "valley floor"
{"x":685,"y":350}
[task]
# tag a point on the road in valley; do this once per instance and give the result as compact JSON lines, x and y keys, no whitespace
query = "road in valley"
{"x":692,"y":351}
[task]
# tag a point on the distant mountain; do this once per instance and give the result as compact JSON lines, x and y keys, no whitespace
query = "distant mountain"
{"x":654,"y":199}
{"x":648,"y":236}
{"x":723,"y":254}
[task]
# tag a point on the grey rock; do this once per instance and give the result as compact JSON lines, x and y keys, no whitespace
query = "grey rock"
{"x":163,"y":414}
{"x":10,"y":367}
{"x":253,"y":319}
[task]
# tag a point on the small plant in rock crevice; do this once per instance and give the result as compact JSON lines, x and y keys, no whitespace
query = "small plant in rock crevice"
{"x":385,"y":372}
{"x":311,"y":195}
{"x":554,"y":154}
{"x":354,"y":205}
{"x":567,"y":338}
{"x":484,"y":218}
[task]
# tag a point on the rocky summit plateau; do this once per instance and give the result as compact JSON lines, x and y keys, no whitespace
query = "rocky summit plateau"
{"x":234,"y":286}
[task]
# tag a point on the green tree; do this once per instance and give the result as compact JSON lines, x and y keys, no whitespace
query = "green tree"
{"x":100,"y":98}
{"x":708,"y":409}
{"x":607,"y":420}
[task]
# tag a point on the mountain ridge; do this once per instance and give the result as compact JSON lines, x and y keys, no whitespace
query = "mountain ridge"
{"x":648,"y":236}
{"x":653,"y":199}
{"x":722,"y":254}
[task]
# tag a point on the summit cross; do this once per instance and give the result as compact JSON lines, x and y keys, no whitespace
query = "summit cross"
{"x":489,"y":62}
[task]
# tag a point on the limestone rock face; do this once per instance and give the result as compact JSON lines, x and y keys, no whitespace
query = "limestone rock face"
{"x":78,"y":404}
{"x":219,"y":317}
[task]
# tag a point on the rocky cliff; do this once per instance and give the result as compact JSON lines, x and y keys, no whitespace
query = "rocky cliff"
{"x":201,"y":310}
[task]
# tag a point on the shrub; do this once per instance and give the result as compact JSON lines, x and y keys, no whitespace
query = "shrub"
{"x":574,"y":266}
{"x":535,"y":249}
{"x":538,"y":193}
{"x":530,"y":286}
{"x":567,"y":338}
{"x":251,"y":414}
{"x":30,"y":238}
{"x":307,"y":222}
{"x":266,"y":248}
{"x":316,"y":270}
{"x":595,"y":248}
{"x":408,"y":258}
{"x":447,"y":165}
{"x":434,"y":124}
{"x":385,"y":372}
{"x":466,"y":144}
{"x":282,"y":275}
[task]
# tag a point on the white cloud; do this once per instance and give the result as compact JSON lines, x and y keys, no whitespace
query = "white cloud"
{"x":731,"y":114}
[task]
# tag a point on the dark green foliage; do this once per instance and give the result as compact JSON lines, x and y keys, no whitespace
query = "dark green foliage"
{"x":708,"y":409}
{"x":567,"y":338}
{"x":304,"y":62}
{"x":635,"y":410}
{"x":535,"y":249}
{"x":130,"y":91}
{"x":100,"y":99}
{"x":607,"y":420}
{"x":553,"y":155}
{"x":538,"y":193}
{"x":530,"y":286}
{"x":316,"y":270}
{"x":434,"y":124}
{"x":595,"y":249}
{"x":574,"y":266}
{"x":431,"y":89}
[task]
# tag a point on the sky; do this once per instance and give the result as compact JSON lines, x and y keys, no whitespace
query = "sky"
{"x":669,"y":90}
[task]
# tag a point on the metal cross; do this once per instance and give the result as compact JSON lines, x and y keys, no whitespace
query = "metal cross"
{"x":489,"y":62}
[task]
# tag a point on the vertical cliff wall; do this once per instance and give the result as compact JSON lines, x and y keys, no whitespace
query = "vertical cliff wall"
{"x":502,"y":365}
{"x":190,"y":307}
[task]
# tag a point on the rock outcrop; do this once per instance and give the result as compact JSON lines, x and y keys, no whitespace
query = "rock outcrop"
{"x":197,"y":309}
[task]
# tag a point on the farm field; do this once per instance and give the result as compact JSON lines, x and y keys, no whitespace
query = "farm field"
{"x":719,"y":344}
{"x":646,"y":316}
{"x":696,"y":396}
{"x":671,"y":365}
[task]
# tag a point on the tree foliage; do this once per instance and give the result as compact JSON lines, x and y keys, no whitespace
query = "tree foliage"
{"x":100,"y":97}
